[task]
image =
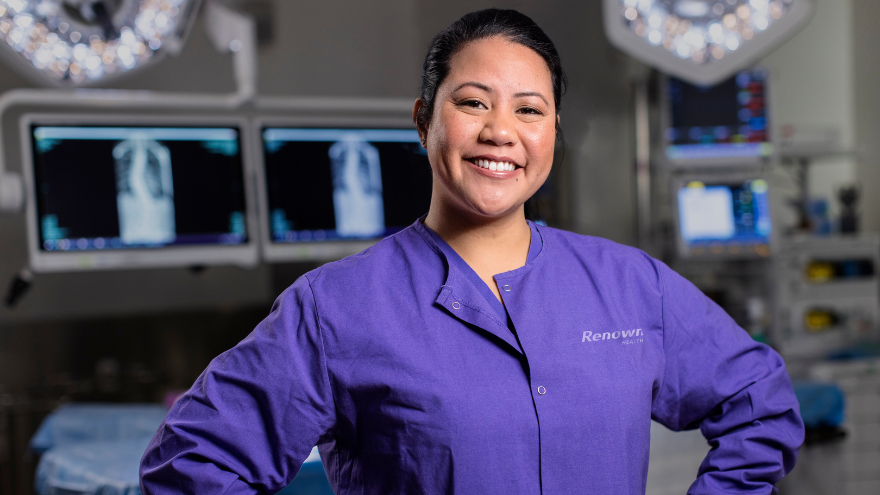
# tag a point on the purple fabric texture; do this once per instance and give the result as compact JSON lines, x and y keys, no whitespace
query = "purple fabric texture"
{"x":393,"y":364}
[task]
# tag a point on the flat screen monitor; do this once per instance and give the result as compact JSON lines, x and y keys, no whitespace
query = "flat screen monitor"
{"x":333,"y":191}
{"x":725,"y":124}
{"x":727,"y":218}
{"x":116,"y":192}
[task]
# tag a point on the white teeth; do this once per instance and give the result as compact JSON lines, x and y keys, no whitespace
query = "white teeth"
{"x":495,"y":166}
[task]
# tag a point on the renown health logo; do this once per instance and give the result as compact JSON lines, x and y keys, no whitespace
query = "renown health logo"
{"x":625,"y":334}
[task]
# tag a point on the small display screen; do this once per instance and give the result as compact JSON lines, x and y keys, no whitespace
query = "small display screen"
{"x":728,"y":120}
{"x":725,"y":218}
{"x":344,"y":184}
{"x":103,"y":188}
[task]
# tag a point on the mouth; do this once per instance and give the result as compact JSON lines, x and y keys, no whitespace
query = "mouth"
{"x":494,"y":164}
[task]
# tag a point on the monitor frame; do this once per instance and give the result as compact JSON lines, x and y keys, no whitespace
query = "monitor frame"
{"x":315,"y":251}
{"x":685,"y":252}
{"x":719,"y":162}
{"x":244,"y":255}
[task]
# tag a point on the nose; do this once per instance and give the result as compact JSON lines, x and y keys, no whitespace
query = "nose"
{"x":498,"y":129}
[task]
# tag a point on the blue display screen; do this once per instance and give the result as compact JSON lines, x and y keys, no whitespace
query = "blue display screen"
{"x":721,"y":216}
{"x":728,"y":120}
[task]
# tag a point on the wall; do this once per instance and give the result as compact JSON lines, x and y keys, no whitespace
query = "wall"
{"x":813,"y":91}
{"x":866,"y":67}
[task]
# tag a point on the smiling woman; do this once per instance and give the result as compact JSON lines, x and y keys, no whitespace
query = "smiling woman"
{"x":476,"y":352}
{"x":488,"y":116}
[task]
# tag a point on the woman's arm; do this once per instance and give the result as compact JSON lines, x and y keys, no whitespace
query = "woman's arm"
{"x":253,"y":416}
{"x":734,"y":389}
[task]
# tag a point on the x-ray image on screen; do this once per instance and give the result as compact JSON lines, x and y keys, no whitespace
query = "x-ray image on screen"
{"x":357,"y":187}
{"x":144,"y":191}
{"x":127,"y":187}
{"x":326,"y":184}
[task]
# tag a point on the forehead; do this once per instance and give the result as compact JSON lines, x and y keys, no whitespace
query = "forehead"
{"x":501,"y":61}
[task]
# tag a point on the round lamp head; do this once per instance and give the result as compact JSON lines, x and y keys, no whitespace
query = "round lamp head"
{"x":702,"y":41}
{"x":80,"y":42}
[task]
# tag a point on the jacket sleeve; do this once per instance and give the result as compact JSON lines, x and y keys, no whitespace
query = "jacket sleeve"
{"x":737,"y":391}
{"x":253,"y":416}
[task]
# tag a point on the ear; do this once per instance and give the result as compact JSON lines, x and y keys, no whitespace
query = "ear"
{"x":423,"y":132}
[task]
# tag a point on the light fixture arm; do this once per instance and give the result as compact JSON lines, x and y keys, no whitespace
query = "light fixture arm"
{"x":232,"y":31}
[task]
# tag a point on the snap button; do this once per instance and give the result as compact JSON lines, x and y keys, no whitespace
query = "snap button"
{"x":455,"y":305}
{"x":506,"y":288}
{"x":542,"y":390}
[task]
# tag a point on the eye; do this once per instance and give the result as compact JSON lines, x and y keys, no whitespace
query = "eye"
{"x":530,"y":111}
{"x":471,"y":104}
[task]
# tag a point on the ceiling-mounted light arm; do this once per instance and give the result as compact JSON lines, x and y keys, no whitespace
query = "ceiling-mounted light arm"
{"x":232,"y":31}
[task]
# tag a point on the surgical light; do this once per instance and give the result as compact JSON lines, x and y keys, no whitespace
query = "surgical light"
{"x":76,"y":42}
{"x":702,"y":41}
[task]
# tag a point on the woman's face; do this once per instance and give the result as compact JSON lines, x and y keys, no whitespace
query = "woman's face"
{"x":490,"y":140}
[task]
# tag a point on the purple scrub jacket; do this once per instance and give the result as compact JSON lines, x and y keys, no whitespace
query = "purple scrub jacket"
{"x":393,"y":363}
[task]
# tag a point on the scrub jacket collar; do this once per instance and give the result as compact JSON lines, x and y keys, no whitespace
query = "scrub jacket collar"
{"x":463,"y":300}
{"x":454,"y":260}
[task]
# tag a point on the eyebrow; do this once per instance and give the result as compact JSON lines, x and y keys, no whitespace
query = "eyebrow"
{"x":532,"y":93}
{"x":476,"y":85}
{"x":489,"y":90}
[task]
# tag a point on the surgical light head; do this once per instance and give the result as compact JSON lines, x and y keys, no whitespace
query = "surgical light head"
{"x":77,"y":42}
{"x":702,"y":41}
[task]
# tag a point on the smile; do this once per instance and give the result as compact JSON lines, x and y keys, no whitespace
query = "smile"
{"x":494,"y":166}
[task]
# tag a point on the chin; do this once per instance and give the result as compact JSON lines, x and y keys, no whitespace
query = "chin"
{"x":497,"y":210}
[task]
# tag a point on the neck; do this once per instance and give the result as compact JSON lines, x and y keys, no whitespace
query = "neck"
{"x":489,"y":245}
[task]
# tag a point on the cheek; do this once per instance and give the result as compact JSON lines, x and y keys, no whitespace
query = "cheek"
{"x":452,"y":132}
{"x":540,"y":143}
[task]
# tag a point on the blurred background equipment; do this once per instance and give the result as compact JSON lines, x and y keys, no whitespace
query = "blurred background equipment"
{"x":724,"y":219}
{"x":725,"y":124}
{"x":18,"y":287}
{"x":849,"y":219}
{"x":96,"y":448}
{"x":34,"y":26}
{"x":314,"y":177}
{"x":109,"y":192}
{"x":77,"y":42}
{"x":848,"y":464}
{"x":827,"y":294}
{"x":700,"y":41}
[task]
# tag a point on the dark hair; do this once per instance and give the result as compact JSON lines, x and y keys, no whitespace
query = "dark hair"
{"x":509,"y":24}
